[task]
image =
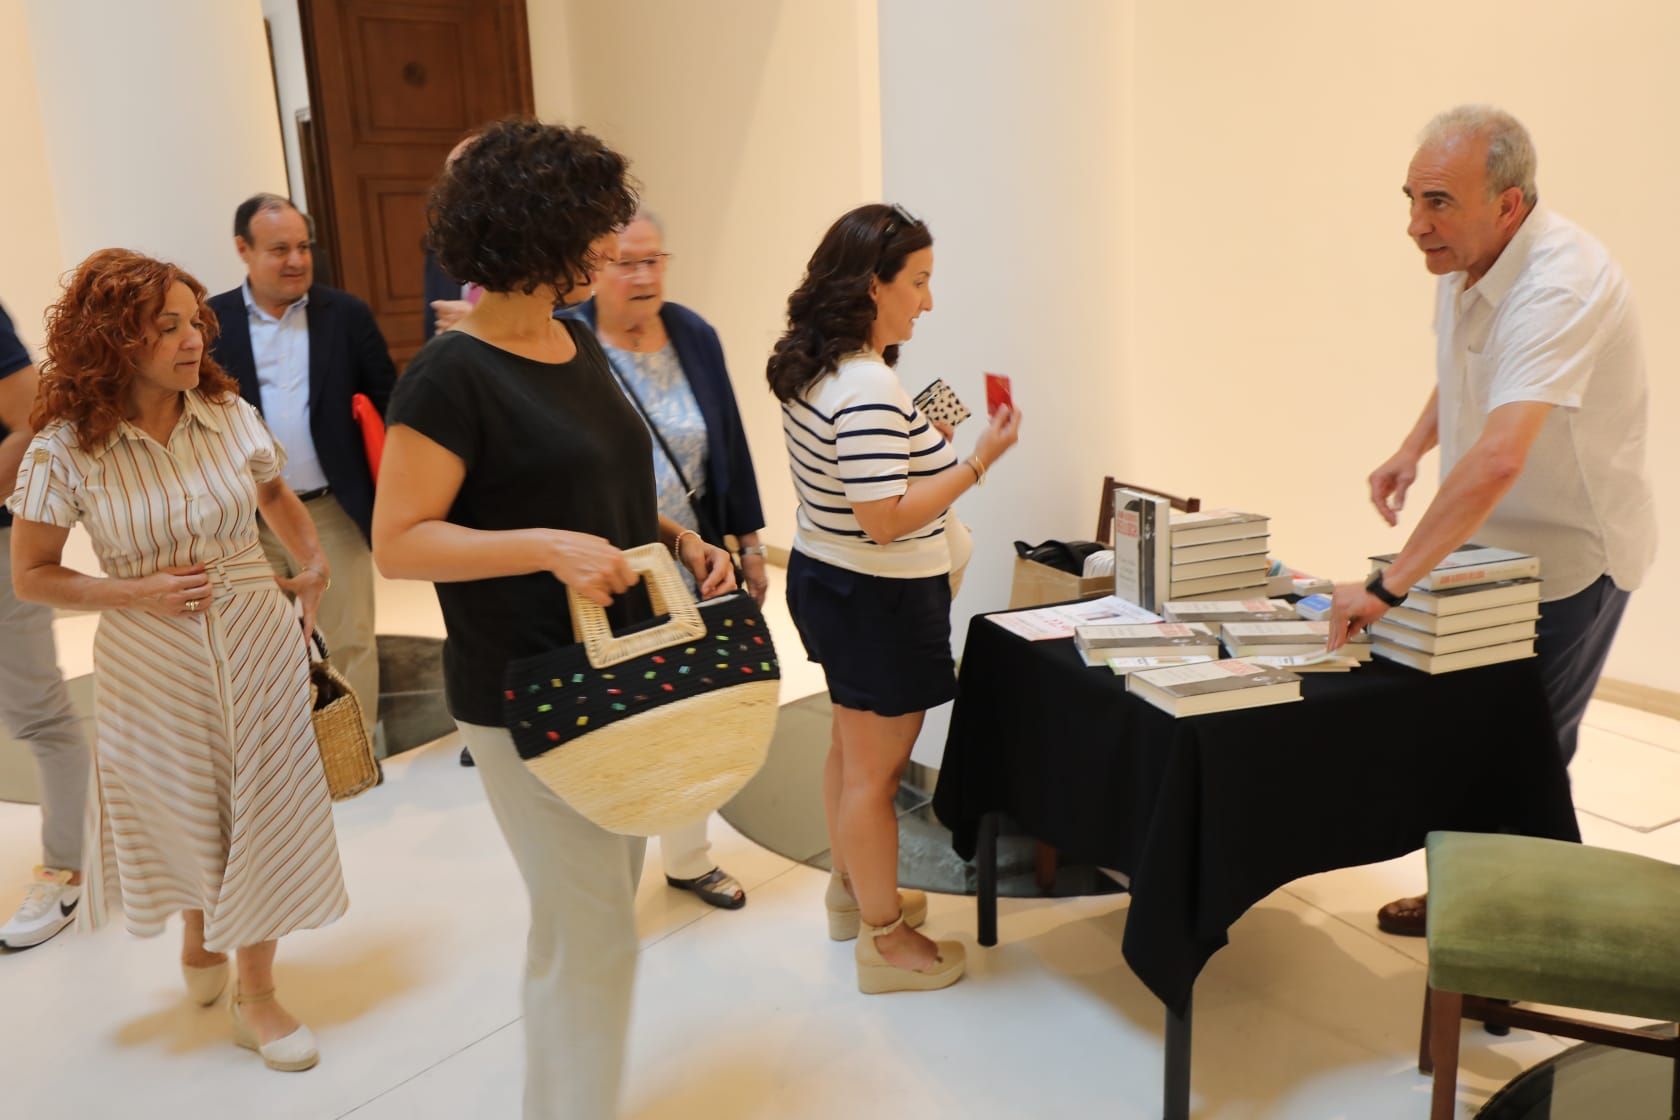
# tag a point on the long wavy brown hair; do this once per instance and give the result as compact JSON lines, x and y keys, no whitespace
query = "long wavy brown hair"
{"x":100,"y":332}
{"x":829,"y":315}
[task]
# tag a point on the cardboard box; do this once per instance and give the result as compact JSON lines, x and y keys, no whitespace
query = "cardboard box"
{"x":1036,"y":584}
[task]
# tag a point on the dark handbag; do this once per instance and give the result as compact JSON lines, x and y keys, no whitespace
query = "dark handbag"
{"x":655,"y":728}
{"x":1064,"y":556}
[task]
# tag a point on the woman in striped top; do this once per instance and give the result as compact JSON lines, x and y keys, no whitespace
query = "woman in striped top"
{"x":868,"y":581}
{"x":207,"y":796}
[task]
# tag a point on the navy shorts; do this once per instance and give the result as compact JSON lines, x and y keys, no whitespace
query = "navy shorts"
{"x":884,"y":644}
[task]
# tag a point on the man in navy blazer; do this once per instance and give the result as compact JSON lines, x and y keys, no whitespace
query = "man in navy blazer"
{"x":300,"y":351}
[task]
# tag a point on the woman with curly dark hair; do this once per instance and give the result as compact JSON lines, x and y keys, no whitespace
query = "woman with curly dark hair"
{"x":207,"y":797}
{"x":515,"y":469}
{"x":868,"y":581}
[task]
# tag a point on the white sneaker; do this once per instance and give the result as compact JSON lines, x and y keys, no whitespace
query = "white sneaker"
{"x":47,"y":908}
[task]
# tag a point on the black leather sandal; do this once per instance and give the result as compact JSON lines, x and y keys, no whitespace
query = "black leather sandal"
{"x":716,"y":888}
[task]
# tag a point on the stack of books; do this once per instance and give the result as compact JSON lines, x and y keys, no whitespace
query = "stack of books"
{"x":1214,"y":613}
{"x":1217,"y":686}
{"x":1218,"y":554}
{"x":1151,"y":645}
{"x":1297,"y":642}
{"x":1478,"y":607}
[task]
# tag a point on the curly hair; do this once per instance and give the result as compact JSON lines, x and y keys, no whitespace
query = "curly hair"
{"x":830,"y":313}
{"x":520,"y":207}
{"x":100,"y":332}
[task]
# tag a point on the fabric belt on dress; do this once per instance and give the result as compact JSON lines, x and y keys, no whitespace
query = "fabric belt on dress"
{"x":240,"y":574}
{"x":311,"y":495}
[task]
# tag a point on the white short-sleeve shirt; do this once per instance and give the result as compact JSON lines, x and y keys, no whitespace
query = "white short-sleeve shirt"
{"x":1553,"y":321}
{"x":854,"y":435}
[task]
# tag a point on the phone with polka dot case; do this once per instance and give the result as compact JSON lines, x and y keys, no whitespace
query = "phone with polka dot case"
{"x":939,"y":402}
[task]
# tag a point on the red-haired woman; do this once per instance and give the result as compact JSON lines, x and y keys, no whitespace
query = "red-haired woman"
{"x":207,"y":795}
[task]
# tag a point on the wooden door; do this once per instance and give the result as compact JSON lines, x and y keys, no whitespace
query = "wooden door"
{"x":393,"y":84}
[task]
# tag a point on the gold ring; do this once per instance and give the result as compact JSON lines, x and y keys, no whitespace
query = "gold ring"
{"x":192,"y":604}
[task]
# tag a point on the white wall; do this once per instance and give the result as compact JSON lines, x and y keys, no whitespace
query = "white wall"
{"x":291,"y":77}
{"x":1004,"y":127}
{"x":159,"y":118}
{"x":1280,"y":342}
{"x":29,"y":246}
{"x":751,"y":127}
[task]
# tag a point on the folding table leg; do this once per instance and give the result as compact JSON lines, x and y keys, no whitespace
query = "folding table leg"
{"x":986,"y":863}
{"x":1175,"y":1096}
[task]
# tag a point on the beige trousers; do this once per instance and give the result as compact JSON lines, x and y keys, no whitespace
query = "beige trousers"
{"x":580,"y":957}
{"x":346,"y":616}
{"x":35,"y":709}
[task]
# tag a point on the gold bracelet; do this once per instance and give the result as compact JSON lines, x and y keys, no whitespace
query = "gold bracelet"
{"x":979,"y":469}
{"x":326,"y":580}
{"x":676,"y":545}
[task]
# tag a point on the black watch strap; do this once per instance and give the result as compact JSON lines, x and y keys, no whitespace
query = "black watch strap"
{"x":1375,"y":587}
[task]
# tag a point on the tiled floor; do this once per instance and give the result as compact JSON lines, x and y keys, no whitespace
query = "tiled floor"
{"x":1309,"y":1013}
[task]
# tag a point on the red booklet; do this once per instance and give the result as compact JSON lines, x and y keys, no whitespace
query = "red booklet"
{"x":373,"y":431}
{"x":997,"y":394}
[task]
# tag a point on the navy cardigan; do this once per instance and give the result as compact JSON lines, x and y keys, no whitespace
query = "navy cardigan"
{"x":731,"y":494}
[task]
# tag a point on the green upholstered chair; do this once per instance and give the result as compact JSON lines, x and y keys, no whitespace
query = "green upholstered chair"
{"x":1543,"y":921}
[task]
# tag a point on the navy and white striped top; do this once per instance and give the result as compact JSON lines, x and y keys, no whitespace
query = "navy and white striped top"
{"x":855,"y":436}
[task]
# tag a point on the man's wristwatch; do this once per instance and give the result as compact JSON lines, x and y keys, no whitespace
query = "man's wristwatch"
{"x":1375,"y":587}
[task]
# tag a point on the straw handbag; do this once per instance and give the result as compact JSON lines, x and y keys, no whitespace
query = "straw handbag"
{"x":346,"y":752}
{"x":657,"y":728}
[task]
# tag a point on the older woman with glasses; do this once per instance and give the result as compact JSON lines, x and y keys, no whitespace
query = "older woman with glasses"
{"x":669,"y":362}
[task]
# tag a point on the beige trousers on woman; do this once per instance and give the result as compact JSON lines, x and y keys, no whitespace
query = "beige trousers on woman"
{"x":580,"y":959}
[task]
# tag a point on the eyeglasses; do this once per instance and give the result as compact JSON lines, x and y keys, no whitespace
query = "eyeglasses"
{"x":655,"y":263}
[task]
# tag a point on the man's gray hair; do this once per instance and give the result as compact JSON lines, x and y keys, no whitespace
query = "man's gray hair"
{"x":1510,"y":157}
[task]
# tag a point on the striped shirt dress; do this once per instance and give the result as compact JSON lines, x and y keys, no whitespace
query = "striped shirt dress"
{"x":207,"y":789}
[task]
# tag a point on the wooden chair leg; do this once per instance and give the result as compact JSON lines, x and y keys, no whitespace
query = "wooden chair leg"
{"x":1045,"y":859}
{"x":1445,"y":1018}
{"x":1674,"y":1093}
{"x":1426,"y":1061}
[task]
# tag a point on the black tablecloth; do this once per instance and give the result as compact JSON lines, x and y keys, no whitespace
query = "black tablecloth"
{"x":1209,"y":814}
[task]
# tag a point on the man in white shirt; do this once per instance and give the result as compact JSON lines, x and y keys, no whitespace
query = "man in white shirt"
{"x":1539,"y":411}
{"x":301,"y":352}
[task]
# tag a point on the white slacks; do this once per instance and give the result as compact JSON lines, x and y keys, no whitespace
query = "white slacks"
{"x":580,"y":959}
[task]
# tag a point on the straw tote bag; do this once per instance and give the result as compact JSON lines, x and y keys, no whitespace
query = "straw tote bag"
{"x":657,"y":728}
{"x":346,"y":752}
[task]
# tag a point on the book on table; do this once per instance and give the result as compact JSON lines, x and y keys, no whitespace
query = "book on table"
{"x":1471,"y":564}
{"x":1215,"y":686}
{"x":1168,"y":642}
{"x":1452,"y":643}
{"x":1288,"y":639}
{"x":1219,"y":566}
{"x":1219,"y":550}
{"x":1314,"y":606}
{"x":1142,"y":547}
{"x":1452,"y":662}
{"x":1232,"y":585}
{"x":1211,"y":525}
{"x":1474,"y":597}
{"x":1459,"y":623}
{"x":1318,"y":661}
{"x":1214,"y":613}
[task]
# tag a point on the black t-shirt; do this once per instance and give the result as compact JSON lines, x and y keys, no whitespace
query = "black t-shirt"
{"x":13,"y":357}
{"x":545,"y":446}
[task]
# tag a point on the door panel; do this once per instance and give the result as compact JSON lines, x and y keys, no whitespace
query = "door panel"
{"x":393,"y":85}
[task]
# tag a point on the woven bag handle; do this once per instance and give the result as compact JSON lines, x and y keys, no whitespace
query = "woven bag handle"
{"x":669,"y":596}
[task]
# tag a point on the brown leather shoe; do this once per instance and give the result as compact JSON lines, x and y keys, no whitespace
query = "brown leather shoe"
{"x":1407,"y":917}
